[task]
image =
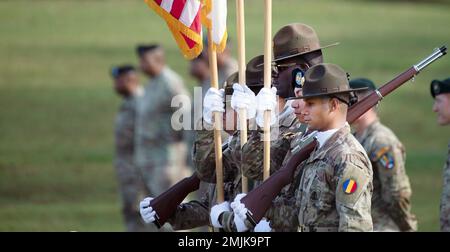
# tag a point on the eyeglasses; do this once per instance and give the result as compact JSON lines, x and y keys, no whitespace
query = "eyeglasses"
{"x":302,"y":66}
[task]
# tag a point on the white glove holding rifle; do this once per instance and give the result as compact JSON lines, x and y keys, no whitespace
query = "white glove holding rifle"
{"x":147,"y":212}
{"x":240,"y":213}
{"x":216,"y":211}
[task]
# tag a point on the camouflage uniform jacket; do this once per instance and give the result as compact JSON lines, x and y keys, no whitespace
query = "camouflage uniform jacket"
{"x":391,"y":206}
{"x":283,"y":213}
{"x":445,"y":198}
{"x":335,"y":188}
{"x":253,"y":150}
{"x":154,"y":132}
{"x":124,"y":132}
{"x":203,"y":156}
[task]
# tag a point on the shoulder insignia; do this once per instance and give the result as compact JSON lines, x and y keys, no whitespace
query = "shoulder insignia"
{"x":349,"y":186}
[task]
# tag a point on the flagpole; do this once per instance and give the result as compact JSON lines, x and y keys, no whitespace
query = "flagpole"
{"x":217,"y":120}
{"x":241,"y":65}
{"x":267,"y":82}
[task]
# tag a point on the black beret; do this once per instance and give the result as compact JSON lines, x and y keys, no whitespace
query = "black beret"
{"x":362,"y":83}
{"x":440,"y":87}
{"x":122,"y":69}
{"x":142,"y":49}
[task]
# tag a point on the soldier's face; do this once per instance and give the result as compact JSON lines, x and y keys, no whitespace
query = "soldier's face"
{"x":126,"y":83}
{"x":442,"y":107}
{"x":317,"y":113}
{"x":119,"y":86}
{"x":149,"y":63}
{"x":299,"y":106}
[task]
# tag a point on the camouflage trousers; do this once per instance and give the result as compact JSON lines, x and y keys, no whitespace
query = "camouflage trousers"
{"x":131,"y":190}
{"x":164,"y":167}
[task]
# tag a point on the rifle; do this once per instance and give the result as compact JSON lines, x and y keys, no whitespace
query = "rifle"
{"x":259,"y":200}
{"x":166,"y":203}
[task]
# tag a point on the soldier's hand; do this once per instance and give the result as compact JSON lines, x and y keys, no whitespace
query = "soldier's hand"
{"x":216,"y":211}
{"x":213,"y":102}
{"x":243,"y":98}
{"x":266,"y":100}
{"x":263,"y":226}
{"x":147,"y":212}
{"x":240,"y":213}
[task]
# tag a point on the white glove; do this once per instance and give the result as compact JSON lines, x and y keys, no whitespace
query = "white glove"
{"x":266,"y":100}
{"x":243,"y":98}
{"x":237,"y":200}
{"x":213,"y":102}
{"x":263,"y":226}
{"x":240,"y":223}
{"x":216,"y":211}
{"x":147,"y":212}
{"x":240,"y":213}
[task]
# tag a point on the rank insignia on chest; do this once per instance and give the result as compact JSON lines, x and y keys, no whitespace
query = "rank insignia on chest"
{"x":349,"y":186}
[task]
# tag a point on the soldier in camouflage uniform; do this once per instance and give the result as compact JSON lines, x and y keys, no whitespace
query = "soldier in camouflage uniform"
{"x":335,"y":185}
{"x":203,"y":149}
{"x":391,"y":200}
{"x":440,"y":90}
{"x":296,"y":48}
{"x":158,"y":148}
{"x":196,"y":213}
{"x":126,"y":84}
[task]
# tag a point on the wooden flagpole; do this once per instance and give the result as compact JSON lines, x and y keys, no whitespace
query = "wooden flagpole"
{"x":241,"y":65}
{"x":267,"y":82}
{"x":217,"y":120}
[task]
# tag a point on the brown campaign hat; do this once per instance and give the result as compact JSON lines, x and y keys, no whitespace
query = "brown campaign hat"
{"x":326,"y":79}
{"x":254,"y":76}
{"x":294,"y":40}
{"x":254,"y":71}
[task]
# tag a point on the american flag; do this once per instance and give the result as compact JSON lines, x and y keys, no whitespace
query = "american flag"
{"x":184,"y":20}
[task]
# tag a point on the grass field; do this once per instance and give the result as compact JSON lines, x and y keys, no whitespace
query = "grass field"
{"x":57,"y":106}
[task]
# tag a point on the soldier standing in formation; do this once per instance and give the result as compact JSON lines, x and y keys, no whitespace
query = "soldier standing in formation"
{"x":296,"y":49}
{"x":391,"y":200}
{"x":440,"y":90}
{"x":335,"y":186}
{"x":196,"y":212}
{"x":126,"y":85}
{"x":158,"y":148}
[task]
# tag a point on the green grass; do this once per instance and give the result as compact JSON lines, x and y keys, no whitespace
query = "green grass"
{"x":57,"y":106}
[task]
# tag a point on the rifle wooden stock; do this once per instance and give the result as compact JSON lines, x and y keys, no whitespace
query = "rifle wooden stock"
{"x":259,"y":200}
{"x":166,"y":203}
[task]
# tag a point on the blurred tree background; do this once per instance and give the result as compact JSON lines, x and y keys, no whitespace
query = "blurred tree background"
{"x":57,"y":105}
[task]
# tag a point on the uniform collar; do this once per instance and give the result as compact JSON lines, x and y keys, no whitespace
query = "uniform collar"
{"x":139,"y":92}
{"x":323,"y":136}
{"x":332,"y":141}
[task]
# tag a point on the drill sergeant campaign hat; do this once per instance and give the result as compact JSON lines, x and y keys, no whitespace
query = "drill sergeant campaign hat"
{"x":254,"y":76}
{"x":294,"y":40}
